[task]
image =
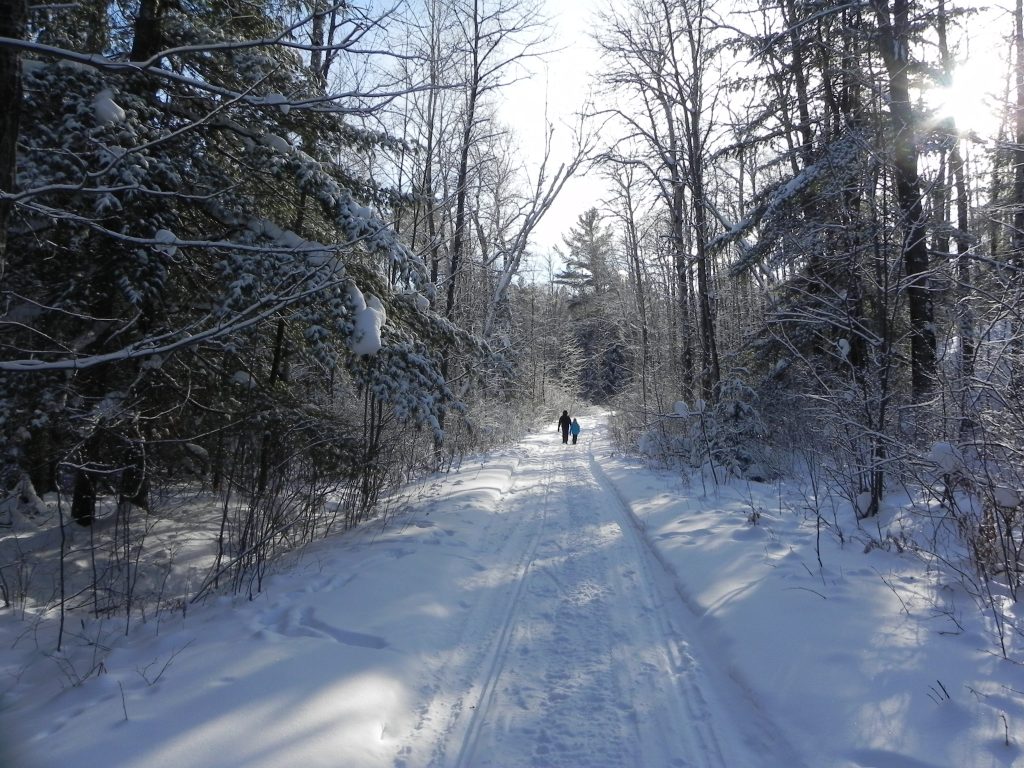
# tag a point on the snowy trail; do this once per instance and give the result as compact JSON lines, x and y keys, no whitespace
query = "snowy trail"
{"x":546,"y":606}
{"x":581,"y":659}
{"x":515,"y":615}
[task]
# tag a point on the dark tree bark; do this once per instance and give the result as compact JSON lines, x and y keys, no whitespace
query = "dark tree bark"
{"x":83,"y":499}
{"x":963,"y":247}
{"x":694,"y":118}
{"x":459,"y":225}
{"x":316,"y":39}
{"x":1017,"y":238}
{"x":800,"y":76}
{"x":677,"y":222}
{"x":148,"y":39}
{"x":957,"y":182}
{"x":894,"y":46}
{"x":13,"y":15}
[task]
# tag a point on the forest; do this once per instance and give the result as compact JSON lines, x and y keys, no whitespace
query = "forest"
{"x":283,"y":254}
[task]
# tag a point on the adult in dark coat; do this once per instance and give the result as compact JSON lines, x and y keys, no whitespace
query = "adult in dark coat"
{"x":563,"y":424}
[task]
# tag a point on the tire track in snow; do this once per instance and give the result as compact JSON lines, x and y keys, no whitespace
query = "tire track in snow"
{"x":590,"y":672}
{"x":499,"y":651}
{"x":688,"y":708}
{"x":558,"y":700}
{"x":451,"y":715}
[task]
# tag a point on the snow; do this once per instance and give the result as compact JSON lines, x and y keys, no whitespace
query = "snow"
{"x":277,"y":143}
{"x":278,"y":100}
{"x":106,"y":109}
{"x":244,"y":379}
{"x":368,"y":321}
{"x":166,"y":240}
{"x":292,"y":240}
{"x":650,"y":444}
{"x":863,"y":503}
{"x":1005,"y":497}
{"x":546,"y":605}
{"x":947,"y":458}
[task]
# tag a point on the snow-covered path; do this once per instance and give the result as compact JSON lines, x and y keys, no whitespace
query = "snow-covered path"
{"x":546,"y":606}
{"x":580,"y":656}
{"x":513,"y":615}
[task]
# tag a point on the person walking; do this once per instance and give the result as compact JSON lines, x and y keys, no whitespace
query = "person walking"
{"x":574,"y":429}
{"x":564,"y":422}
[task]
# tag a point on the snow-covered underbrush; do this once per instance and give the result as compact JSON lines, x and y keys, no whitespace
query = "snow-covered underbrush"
{"x":878,"y":635}
{"x":959,"y":518}
{"x":135,"y":566}
{"x":723,"y":441}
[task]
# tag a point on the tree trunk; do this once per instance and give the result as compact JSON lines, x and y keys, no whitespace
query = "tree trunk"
{"x":316,"y":39}
{"x":13,"y":15}
{"x":147,"y":40}
{"x":632,"y":242}
{"x":800,"y":82}
{"x":710,"y":370}
{"x":459,"y":225}
{"x":83,"y":499}
{"x":690,"y":88}
{"x":1017,"y":238}
{"x":682,"y":281}
{"x":893,"y":43}
{"x":957,"y":182}
{"x":458,"y":242}
{"x":963,"y":263}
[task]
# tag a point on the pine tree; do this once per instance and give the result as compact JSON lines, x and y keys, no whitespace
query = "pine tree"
{"x":588,"y":254}
{"x":195,"y":249}
{"x":594,"y":288}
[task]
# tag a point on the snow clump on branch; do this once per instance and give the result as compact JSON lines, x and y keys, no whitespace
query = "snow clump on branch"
{"x":947,"y":458}
{"x":1005,"y":497}
{"x":368,"y":320}
{"x":277,"y":143}
{"x":278,"y":100}
{"x":165,"y":239}
{"x":106,"y":109}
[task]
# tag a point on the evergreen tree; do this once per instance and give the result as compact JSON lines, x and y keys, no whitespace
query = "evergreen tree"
{"x":194,"y":252}
{"x":595,"y":287}
{"x":588,"y":256}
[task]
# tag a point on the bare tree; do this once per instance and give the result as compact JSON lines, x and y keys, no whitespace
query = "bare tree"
{"x":660,"y":55}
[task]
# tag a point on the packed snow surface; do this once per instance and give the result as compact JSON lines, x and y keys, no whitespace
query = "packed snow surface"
{"x":550,"y":605}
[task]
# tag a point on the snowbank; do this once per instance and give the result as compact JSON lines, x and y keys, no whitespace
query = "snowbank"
{"x":867,"y":659}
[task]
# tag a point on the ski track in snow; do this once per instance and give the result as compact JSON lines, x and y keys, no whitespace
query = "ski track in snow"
{"x":581,"y":657}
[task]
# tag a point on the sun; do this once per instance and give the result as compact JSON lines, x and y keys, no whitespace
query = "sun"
{"x":972,"y":100}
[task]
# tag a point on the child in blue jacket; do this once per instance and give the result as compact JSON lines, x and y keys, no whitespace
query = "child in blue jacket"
{"x":574,"y":430}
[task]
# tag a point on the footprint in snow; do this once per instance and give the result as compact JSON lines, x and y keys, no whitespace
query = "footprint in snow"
{"x":343,"y":636}
{"x":304,"y":623}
